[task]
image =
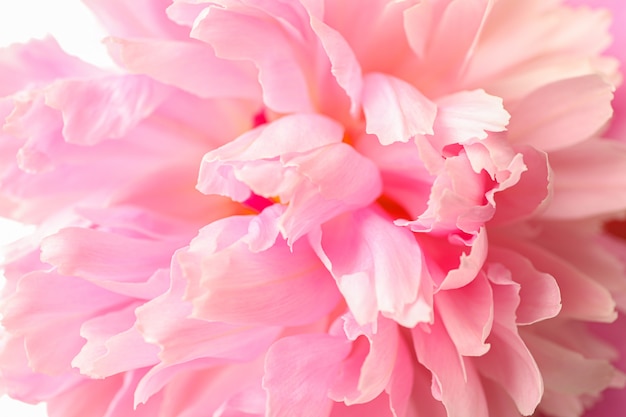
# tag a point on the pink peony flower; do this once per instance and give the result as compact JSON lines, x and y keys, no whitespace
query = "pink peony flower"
{"x":314,"y":208}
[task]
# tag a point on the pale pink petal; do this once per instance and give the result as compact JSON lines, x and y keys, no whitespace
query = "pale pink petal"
{"x":138,"y":19}
{"x":37,"y":63}
{"x":382,"y":272}
{"x":20,"y":382}
{"x":87,"y":253}
{"x":529,"y":194}
{"x":190,"y":66}
{"x":467,"y":314}
{"x":367,"y":371}
{"x":582,"y":297}
{"x":272,"y":287}
{"x":260,"y":39}
{"x":455,"y":380}
{"x":286,"y":135}
{"x":446,"y":38}
{"x":345,"y":66}
{"x":166,"y":321}
{"x":540,"y":297}
{"x":562,"y":113}
{"x":299,"y":373}
{"x":395,"y":111}
{"x":47,"y":304}
{"x":508,"y":354}
{"x":103,"y":108}
{"x":468,"y":115}
{"x":598,"y":189}
{"x":587,"y":375}
{"x":113,"y":345}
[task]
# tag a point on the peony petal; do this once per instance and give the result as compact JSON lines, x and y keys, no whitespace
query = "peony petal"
{"x":113,"y":345}
{"x":540,"y":297}
{"x":47,"y":304}
{"x":468,"y":115}
{"x":88,"y":253}
{"x":272,"y":287}
{"x":345,"y":66}
{"x":562,"y":113}
{"x":455,"y":381}
{"x":394,"y":110}
{"x":467,"y":314}
{"x":139,"y":19}
{"x":190,"y":66}
{"x":372,"y":276}
{"x":39,"y":62}
{"x":104,"y":108}
{"x":596,"y":190}
{"x":289,"y":134}
{"x":299,"y":371}
{"x":362,"y":379}
{"x":260,"y":39}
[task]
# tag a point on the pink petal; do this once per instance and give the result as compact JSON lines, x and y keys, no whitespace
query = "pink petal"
{"x":190,"y":66}
{"x":261,"y":39}
{"x":38,"y":62}
{"x":139,"y":19}
{"x":288,"y":134}
{"x":593,"y":191}
{"x":272,"y":287}
{"x":104,"y":108}
{"x":455,"y":381}
{"x":540,"y":297}
{"x":113,"y":345}
{"x":363,"y":378}
{"x":299,"y":371}
{"x":20,"y":382}
{"x":88,"y":253}
{"x":446,"y":37}
{"x":582,"y":297}
{"x":468,"y":115}
{"x":467,"y":314}
{"x":394,"y":110}
{"x":345,"y":66}
{"x":509,"y":361}
{"x":530,"y":194}
{"x":562,"y":113}
{"x":382,"y":272}
{"x":47,"y":304}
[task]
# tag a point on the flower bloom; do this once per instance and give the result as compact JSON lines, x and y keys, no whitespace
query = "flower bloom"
{"x":311,"y":208}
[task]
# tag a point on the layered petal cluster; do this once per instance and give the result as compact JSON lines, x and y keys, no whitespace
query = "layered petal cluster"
{"x":282,"y":208}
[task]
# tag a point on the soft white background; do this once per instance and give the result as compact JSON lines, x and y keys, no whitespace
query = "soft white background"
{"x":79,"y":34}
